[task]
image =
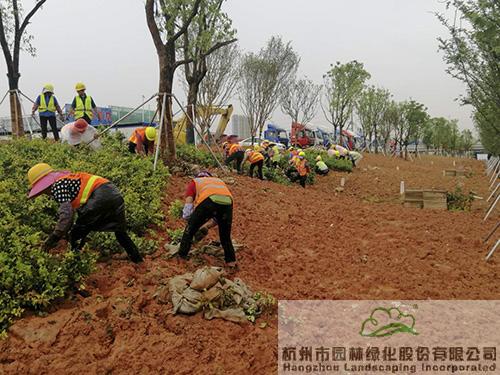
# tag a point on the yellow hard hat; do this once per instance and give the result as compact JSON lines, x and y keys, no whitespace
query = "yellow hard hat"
{"x":48,"y":88}
{"x":318,"y":158}
{"x":265,"y":142}
{"x":290,"y":148}
{"x":337,"y":153}
{"x":150,"y":133}
{"x":302,"y":153}
{"x":80,"y":86}
{"x":38,"y":171}
{"x":256,"y":147}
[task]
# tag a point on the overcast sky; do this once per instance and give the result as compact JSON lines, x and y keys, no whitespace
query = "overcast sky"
{"x":106,"y":45}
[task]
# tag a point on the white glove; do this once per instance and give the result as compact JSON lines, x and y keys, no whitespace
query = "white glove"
{"x":187,"y":210}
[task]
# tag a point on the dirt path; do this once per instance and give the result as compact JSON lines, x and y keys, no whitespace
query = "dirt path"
{"x":299,"y":244}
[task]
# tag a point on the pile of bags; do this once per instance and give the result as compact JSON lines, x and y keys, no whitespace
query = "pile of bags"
{"x":208,"y":291}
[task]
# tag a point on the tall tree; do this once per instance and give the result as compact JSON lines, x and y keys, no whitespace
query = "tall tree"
{"x":473,"y":56}
{"x":414,"y":119}
{"x":389,"y":123}
{"x":168,"y":21}
{"x":299,"y":100}
{"x":343,"y":84}
{"x":262,"y":78}
{"x":218,"y":86}
{"x":14,"y":39}
{"x":371,"y":106}
{"x":210,"y":30}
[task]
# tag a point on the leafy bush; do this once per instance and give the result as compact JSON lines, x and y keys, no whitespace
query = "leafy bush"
{"x":197,"y":155}
{"x":31,"y":278}
{"x":175,"y":235}
{"x":175,"y":210}
{"x":458,"y":201}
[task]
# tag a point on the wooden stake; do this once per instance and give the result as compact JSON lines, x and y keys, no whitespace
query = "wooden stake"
{"x":402,"y":188}
{"x":492,"y":250}
{"x":491,"y":233}
{"x":491,"y":208}
{"x":342,"y":182}
{"x":493,"y":193}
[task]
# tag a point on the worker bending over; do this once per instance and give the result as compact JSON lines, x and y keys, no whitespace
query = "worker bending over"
{"x":256,"y":159}
{"x":80,"y":133}
{"x":208,"y":198}
{"x":98,"y":203}
{"x":321,"y":168}
{"x":235,"y":153}
{"x":142,"y":141}
{"x":355,"y":157}
{"x":47,"y":105}
{"x":274,"y":155}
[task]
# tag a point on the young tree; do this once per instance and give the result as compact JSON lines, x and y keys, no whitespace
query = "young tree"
{"x":414,"y":119}
{"x":14,"y":39}
{"x":168,"y":21}
{"x":466,"y":140}
{"x":371,"y":106}
{"x":262,"y":78}
{"x":389,"y":123}
{"x":217,"y":88}
{"x":209,"y":31}
{"x":299,"y":100}
{"x":343,"y":84}
{"x":472,"y":55}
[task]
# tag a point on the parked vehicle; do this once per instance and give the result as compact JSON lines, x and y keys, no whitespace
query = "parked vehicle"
{"x":247,"y":143}
{"x":276,"y":134}
{"x":302,"y":136}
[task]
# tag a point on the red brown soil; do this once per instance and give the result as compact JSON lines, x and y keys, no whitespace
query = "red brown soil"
{"x":299,"y":244}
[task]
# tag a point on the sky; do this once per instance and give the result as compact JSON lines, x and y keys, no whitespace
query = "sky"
{"x":107,"y":45}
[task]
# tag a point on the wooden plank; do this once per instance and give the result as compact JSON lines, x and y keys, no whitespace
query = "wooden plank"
{"x":414,"y":204}
{"x":413,"y":194}
{"x":450,"y":172}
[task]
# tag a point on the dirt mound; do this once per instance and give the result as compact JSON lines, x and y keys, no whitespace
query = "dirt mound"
{"x":299,"y":244}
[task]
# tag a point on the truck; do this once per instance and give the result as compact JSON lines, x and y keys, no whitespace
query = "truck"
{"x":276,"y":134}
{"x":302,"y":136}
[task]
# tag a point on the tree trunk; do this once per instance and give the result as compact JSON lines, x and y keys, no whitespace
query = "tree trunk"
{"x":191,"y":111}
{"x":16,"y":115}
{"x":167,"y":141}
{"x":376,"y":137}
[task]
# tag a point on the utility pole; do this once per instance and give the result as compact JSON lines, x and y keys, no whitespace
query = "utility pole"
{"x":143,"y":109}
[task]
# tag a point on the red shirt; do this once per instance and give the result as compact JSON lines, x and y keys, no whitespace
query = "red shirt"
{"x":191,"y":190}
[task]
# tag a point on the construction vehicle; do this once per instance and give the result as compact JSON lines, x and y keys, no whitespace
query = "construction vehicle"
{"x":204,"y":113}
{"x":276,"y":135}
{"x":304,"y":136}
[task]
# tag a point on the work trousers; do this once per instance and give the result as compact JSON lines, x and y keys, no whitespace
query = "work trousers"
{"x":259,"y":166}
{"x":205,"y":211}
{"x":53,"y":126}
{"x":321,"y":172}
{"x":238,"y":158}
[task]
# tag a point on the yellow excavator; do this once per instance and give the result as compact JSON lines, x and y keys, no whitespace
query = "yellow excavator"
{"x":204,"y":112}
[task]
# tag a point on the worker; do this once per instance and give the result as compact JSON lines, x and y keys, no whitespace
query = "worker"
{"x":142,"y":141}
{"x":321,"y":168}
{"x":83,"y":105}
{"x":299,"y":169}
{"x":355,"y":157}
{"x":256,"y":159}
{"x":208,"y":198}
{"x":274,"y":155}
{"x":47,"y":105}
{"x":333,"y":153}
{"x":343,"y":152}
{"x":225,"y":149}
{"x":78,"y":133}
{"x":235,"y":153}
{"x":264,"y":150}
{"x":98,"y":203}
{"x":302,"y":168}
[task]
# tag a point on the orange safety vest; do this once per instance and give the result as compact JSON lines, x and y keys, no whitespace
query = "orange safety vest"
{"x":301,"y":167}
{"x":88,"y":183}
{"x":235,"y":147}
{"x":139,"y":132}
{"x":207,"y":186}
{"x":254,"y":157}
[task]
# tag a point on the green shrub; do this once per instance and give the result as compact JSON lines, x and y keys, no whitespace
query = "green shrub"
{"x":458,"y":201}
{"x":175,"y":210}
{"x":175,"y":235}
{"x":31,"y":278}
{"x":194,"y":155}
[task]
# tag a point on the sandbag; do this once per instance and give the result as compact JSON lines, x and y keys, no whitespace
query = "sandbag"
{"x":236,"y":315}
{"x":206,"y":278}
